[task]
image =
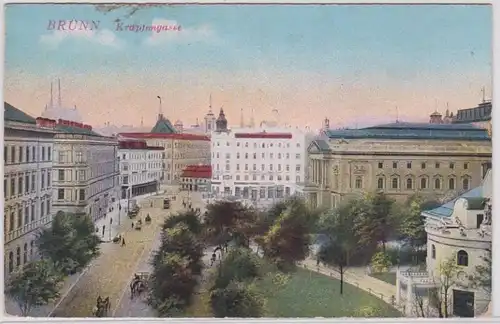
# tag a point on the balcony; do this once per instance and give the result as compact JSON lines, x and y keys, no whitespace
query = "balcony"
{"x":18,"y":232}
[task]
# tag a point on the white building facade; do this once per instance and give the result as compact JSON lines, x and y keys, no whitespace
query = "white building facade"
{"x":140,"y":168}
{"x":460,"y":231}
{"x":86,"y":174}
{"x":27,"y":187}
{"x":262,"y":165}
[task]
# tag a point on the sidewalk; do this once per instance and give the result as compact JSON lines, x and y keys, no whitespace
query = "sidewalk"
{"x":12,"y":309}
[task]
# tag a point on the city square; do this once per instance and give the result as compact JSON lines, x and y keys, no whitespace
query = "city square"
{"x":177,"y":190}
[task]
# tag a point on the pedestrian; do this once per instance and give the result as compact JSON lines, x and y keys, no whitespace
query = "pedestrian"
{"x":212,"y":260}
{"x":132,"y":225}
{"x":123,"y":241}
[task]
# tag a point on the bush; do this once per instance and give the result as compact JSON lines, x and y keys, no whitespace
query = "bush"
{"x":380,"y":262}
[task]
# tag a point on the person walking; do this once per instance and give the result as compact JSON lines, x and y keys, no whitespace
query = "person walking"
{"x":132,"y":225}
{"x":123,"y":241}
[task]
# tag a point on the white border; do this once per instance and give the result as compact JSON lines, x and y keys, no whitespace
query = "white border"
{"x":496,"y":177}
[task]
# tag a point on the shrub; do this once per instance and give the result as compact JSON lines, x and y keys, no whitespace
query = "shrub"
{"x":380,"y":262}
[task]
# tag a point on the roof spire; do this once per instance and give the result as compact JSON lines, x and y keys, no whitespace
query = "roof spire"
{"x":242,"y":121}
{"x":51,"y":95}
{"x":59,"y":93}
{"x":210,"y":104}
{"x":483,"y":92}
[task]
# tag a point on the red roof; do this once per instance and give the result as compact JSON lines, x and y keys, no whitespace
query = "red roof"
{"x":197,"y":171}
{"x":137,"y":145}
{"x":263,"y":135}
{"x":175,"y":136}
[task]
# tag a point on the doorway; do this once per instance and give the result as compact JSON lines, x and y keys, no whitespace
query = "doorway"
{"x":463,"y":303}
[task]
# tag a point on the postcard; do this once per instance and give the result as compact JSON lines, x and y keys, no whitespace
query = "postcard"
{"x":247,"y":160}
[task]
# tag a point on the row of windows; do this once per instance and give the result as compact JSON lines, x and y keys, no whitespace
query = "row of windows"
{"x":263,"y":155}
{"x":139,"y":178}
{"x":262,"y":167}
{"x":255,"y":177}
{"x":141,"y":156}
{"x":102,"y":154}
{"x":462,"y":256}
{"x":194,"y":180}
{"x":410,"y":183}
{"x":423,"y":165}
{"x":61,"y":194}
{"x":141,"y":166}
{"x":257,"y":145}
{"x":255,"y":193}
{"x":21,"y":154}
{"x":25,"y":259}
{"x":25,"y":183}
{"x":25,"y":214}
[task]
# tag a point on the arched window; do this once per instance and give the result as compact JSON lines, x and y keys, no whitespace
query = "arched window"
{"x":25,"y":253}
{"x":433,"y":251}
{"x":437,"y":183}
{"x":359,"y":183}
{"x":451,"y":184}
{"x":465,"y":183}
{"x":32,"y":248}
{"x":380,"y":183}
{"x":11,"y":261}
{"x":18,"y":256}
{"x":423,"y":183}
{"x":462,"y":258}
{"x":409,"y":183}
{"x":394,"y":183}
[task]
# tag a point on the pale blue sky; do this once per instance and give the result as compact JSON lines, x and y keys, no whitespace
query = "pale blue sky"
{"x":340,"y":42}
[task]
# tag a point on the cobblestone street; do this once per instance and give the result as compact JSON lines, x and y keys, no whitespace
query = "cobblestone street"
{"x":110,"y":274}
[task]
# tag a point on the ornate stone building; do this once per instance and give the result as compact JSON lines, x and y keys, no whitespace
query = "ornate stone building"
{"x":399,"y":159}
{"x":27,"y":186}
{"x":460,"y":231}
{"x":86,"y":171}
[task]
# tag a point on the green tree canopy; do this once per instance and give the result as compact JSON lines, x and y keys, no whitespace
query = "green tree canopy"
{"x":238,"y":299}
{"x":36,"y":285}
{"x":70,"y":242}
{"x":190,"y":218}
{"x":239,"y":264}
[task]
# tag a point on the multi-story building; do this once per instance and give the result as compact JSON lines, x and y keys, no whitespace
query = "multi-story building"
{"x":459,"y":231}
{"x":479,"y":116}
{"x":28,"y":153}
{"x":86,"y":174}
{"x":180,"y":149}
{"x":196,"y":178}
{"x":399,"y":159}
{"x":140,"y":168}
{"x":260,"y":164}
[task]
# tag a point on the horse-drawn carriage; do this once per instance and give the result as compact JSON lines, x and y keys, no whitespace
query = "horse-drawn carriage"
{"x":102,"y":307}
{"x":147,"y":219}
{"x":139,"y":284}
{"x":134,"y":212}
{"x":138,"y":225}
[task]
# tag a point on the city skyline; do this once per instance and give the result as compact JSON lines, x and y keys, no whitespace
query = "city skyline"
{"x":395,"y":56}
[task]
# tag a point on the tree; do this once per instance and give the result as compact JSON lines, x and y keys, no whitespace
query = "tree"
{"x":412,"y":225}
{"x":70,"y":242}
{"x":381,"y":262}
{"x":36,"y":284}
{"x":288,"y":240}
{"x":181,"y":241}
{"x":172,"y":283}
{"x":239,"y":264}
{"x":374,"y":221}
{"x":481,"y":279}
{"x":237,"y":300}
{"x":190,"y":218}
{"x":338,"y":226}
{"x":229,"y":221}
{"x":446,"y":278}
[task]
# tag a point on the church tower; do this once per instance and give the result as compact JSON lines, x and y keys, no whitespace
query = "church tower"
{"x":221,"y":123}
{"x":210,"y":118}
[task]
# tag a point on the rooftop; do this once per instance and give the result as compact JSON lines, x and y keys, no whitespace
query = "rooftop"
{"x":11,"y":113}
{"x":476,"y":114}
{"x":474,"y":197}
{"x":137,"y":145}
{"x":262,"y":135}
{"x":176,"y":136}
{"x":403,"y":130}
{"x":163,"y":126}
{"x":197,"y":171}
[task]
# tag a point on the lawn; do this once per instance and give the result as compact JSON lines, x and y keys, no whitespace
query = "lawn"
{"x":308,"y":294}
{"x":389,"y":277}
